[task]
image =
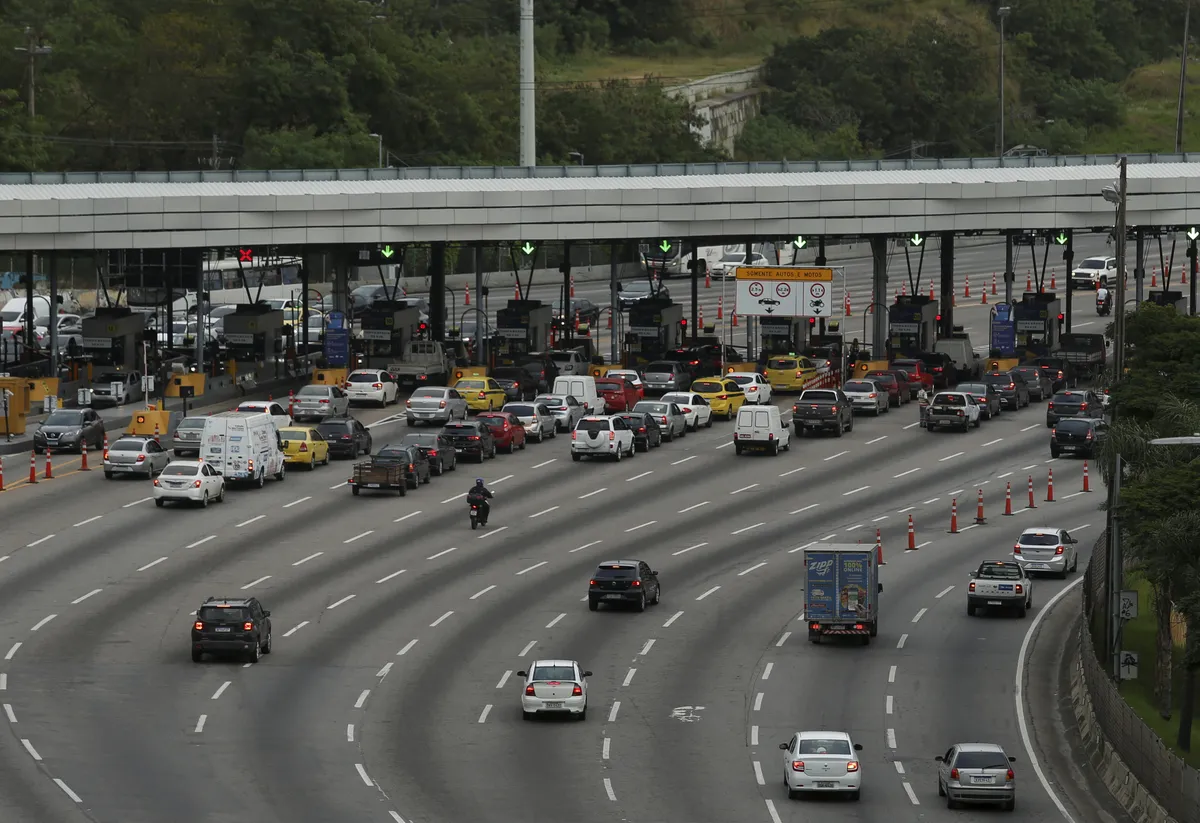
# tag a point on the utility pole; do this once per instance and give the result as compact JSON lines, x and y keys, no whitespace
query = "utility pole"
{"x":528,"y":119}
{"x":34,"y":51}
{"x":1002,"y":13}
{"x":1119,"y":330}
{"x":1183,"y":59}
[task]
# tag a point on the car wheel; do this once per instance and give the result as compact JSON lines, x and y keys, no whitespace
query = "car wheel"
{"x":641,"y":604}
{"x":657,"y":595}
{"x":576,"y":457}
{"x":160,"y":502}
{"x":1023,"y":610}
{"x":593,"y":604}
{"x":941,"y":791}
{"x":618,"y":452}
{"x":708,"y":424}
{"x":204,"y":501}
{"x":970,"y":613}
{"x":221,"y":494}
{"x":266,"y":649}
{"x":197,"y":656}
{"x":854,"y":795}
{"x":1054,"y":453}
{"x":437,"y":470}
{"x":255,"y":654}
{"x":261,"y":480}
{"x":108,"y":475}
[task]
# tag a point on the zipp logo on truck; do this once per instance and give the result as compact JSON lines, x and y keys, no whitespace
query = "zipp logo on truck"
{"x":821,"y":567}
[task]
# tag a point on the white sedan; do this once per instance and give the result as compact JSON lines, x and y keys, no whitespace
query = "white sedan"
{"x":272,"y":407}
{"x":554,"y":687}
{"x":754,"y":386}
{"x":188,"y":481}
{"x":825,"y":762}
{"x":371,"y":386}
{"x":695,"y":408}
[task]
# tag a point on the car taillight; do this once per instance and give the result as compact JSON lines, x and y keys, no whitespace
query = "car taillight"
{"x":1012,"y":385}
{"x":771,"y":436}
{"x":873,"y":395}
{"x":722,"y":397}
{"x":346,"y":436}
{"x":937,"y":368}
{"x":303,"y":447}
{"x":1058,"y":550}
{"x":1083,"y":406}
{"x":797,"y":765}
{"x":529,"y":691}
{"x":591,"y":582}
{"x":852,"y":766}
{"x":612,"y":435}
{"x":324,"y":399}
{"x":971,"y":586}
{"x":859,"y":627}
{"x":1009,"y":775}
{"x":1050,"y":405}
{"x":577,"y":691}
{"x":156,"y":481}
{"x":636,"y":583}
{"x":250,"y":464}
{"x":1054,"y":432}
{"x":1060,"y":375}
{"x":834,"y":408}
{"x":346,"y":385}
{"x":664,"y":419}
{"x":1017,"y":549}
{"x":432,"y":453}
{"x":377,"y":385}
{"x":798,"y":374}
{"x":141,"y":457}
{"x":641,"y":429}
{"x":815,"y":627}
{"x":954,"y":774}
{"x":482,"y":395}
{"x":1019,"y":588}
{"x":196,"y":484}
{"x":247,"y":626}
{"x":198,"y":626}
{"x":574,"y":435}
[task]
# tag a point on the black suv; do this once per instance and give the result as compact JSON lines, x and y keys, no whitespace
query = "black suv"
{"x":233,"y":626}
{"x":626,"y":582}
{"x":346,"y":436}
{"x":471,"y":438}
{"x":1077,"y":435}
{"x":436,"y":448}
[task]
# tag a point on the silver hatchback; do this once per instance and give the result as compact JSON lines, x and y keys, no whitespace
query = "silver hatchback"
{"x":435,"y":404}
{"x":664,"y":376}
{"x":186,"y":439}
{"x":539,"y":423}
{"x":669,"y":416}
{"x":318,"y":402}
{"x":566,"y":409}
{"x":977,"y":773}
{"x":136,"y":455}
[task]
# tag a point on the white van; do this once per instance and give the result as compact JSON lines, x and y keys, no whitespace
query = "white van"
{"x":16,"y":311}
{"x":762,"y":427}
{"x":243,"y":446}
{"x":583,"y":388}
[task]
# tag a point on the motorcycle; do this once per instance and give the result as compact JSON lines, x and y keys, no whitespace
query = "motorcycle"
{"x":477,"y":517}
{"x":1103,"y":307}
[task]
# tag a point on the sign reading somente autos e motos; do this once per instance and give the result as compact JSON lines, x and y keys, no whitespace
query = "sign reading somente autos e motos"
{"x":785,"y":291}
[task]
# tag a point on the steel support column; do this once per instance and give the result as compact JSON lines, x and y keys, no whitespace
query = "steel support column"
{"x":304,"y":310}
{"x":437,"y":291}
{"x":1009,"y":275}
{"x":481,"y":320}
{"x":946,"y":307}
{"x":1068,"y":265}
{"x":30,"y":263}
{"x":52,"y":274}
{"x":749,"y":320}
{"x":618,"y":316}
{"x":695,"y":321}
{"x":1139,"y":267}
{"x":568,"y":316}
{"x":879,"y":260}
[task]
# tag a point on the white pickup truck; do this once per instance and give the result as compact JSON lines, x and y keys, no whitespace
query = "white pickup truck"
{"x":425,"y":363}
{"x":999,"y":584}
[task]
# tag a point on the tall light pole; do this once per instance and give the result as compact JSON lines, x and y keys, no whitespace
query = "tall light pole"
{"x":1118,"y":195}
{"x":528,"y":119}
{"x":34,"y":50}
{"x":379,"y":139}
{"x":1002,"y":13}
{"x":1183,"y":58}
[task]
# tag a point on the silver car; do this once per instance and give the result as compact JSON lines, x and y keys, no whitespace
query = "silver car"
{"x":135,"y":455}
{"x":977,"y":773}
{"x":186,"y":439}
{"x":116,"y":388}
{"x":566,"y":409}
{"x":867,"y":396}
{"x":669,"y":416}
{"x":435,"y":404}
{"x":539,"y":423}
{"x":1046,"y":550}
{"x":665,"y":375}
{"x":318,"y":402}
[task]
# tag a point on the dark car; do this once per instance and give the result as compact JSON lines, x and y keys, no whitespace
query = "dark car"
{"x":68,"y":430}
{"x":896,"y":384}
{"x":1077,"y":435}
{"x":436,"y":448}
{"x":346,"y":436}
{"x":986,"y":395}
{"x":1060,"y":371}
{"x":941,"y":366}
{"x":471,"y":438}
{"x":1014,"y":391}
{"x":541,"y":368}
{"x":582,"y":312}
{"x":1065,"y":404}
{"x":646,"y":432}
{"x":237,"y":626}
{"x":518,"y":383}
{"x":414,"y":464}
{"x":688,"y":360}
{"x":712,"y":356}
{"x":625,"y":583}
{"x":1036,"y":380}
{"x":507,"y":430}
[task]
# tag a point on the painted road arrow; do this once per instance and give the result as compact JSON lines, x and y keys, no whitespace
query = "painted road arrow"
{"x":1061,"y":239}
{"x":917,"y":239}
{"x":665,"y":246}
{"x":387,"y":251}
{"x":799,"y":242}
{"x":1193,"y":234}
{"x":528,"y":248}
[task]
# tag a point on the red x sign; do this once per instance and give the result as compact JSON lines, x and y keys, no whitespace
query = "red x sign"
{"x":245,"y":255}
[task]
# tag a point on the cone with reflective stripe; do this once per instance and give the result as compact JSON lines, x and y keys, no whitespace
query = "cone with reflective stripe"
{"x":912,"y":535}
{"x":932,"y":296}
{"x":983,"y":297}
{"x":699,"y":317}
{"x":954,"y":516}
{"x":1183,"y":276}
{"x":291,"y":403}
{"x":967,"y":287}
{"x":572,"y":285}
{"x":879,"y":548}
{"x":1053,"y":281}
{"x":993,"y":284}
{"x":516,"y":291}
{"x":466,"y":295}
{"x":979,"y":518}
{"x":33,"y":467}
{"x":83,"y":466}
{"x":720,"y":308}
{"x":903,"y":289}
{"x":848,"y":312}
{"x":1050,"y":487}
{"x":735,"y":319}
{"x":1031,"y":504}
{"x":1087,"y":486}
{"x":1154,"y":279}
{"x":156,"y":440}
{"x":49,"y":466}
{"x":1028,"y":281}
{"x":707,"y":280}
{"x":1008,"y":499}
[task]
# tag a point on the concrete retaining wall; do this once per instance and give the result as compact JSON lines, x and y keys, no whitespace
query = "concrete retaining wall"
{"x":724,"y":102}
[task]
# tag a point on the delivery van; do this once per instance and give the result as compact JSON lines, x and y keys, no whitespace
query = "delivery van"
{"x":243,"y":447}
{"x":583,"y":388}
{"x":766,"y":428}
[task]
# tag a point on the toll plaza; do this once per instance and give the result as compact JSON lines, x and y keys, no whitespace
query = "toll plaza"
{"x":522,"y":326}
{"x":655,"y":327}
{"x":912,"y":324}
{"x":114,"y":336}
{"x":1038,"y":320}
{"x":780,"y":335}
{"x":388,"y":326}
{"x":254,"y":336}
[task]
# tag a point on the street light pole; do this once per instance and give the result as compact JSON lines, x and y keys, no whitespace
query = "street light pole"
{"x":1003,"y":13}
{"x":34,"y":51}
{"x":379,"y":139}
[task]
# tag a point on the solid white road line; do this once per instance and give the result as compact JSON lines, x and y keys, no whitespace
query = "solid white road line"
{"x":200,"y":724}
{"x":483,"y":714}
{"x":891,"y":738}
{"x":892,"y":674}
{"x":135,"y":502}
{"x":67,"y":790}
{"x":405,"y":517}
{"x":744,"y":489}
{"x":748,"y":528}
{"x":754,"y":735}
{"x":612,"y":713}
{"x":889,"y":705}
{"x":295,"y":629}
{"x":771,"y":811}
{"x":442,"y":553}
{"x":792,"y":471}
{"x":440,"y":619}
{"x":758,"y":698}
{"x":254,"y":583}
{"x":782,"y":639}
{"x":201,"y":541}
{"x":345,"y":599}
{"x":906,"y":510}
{"x":221,"y":689}
{"x":554,"y":622}
{"x":609,"y":790}
{"x":1075,"y":494}
{"x":642,"y":526}
{"x":968,"y":528}
{"x":835,"y":456}
{"x":586,"y":546}
{"x":639,"y":476}
{"x":923,"y":545}
{"x":1019,"y":697}
{"x":589,"y":494}
{"x":363,"y":774}
{"x":707,"y":593}
{"x":386,"y":578}
{"x":504,"y":678}
{"x":993,"y":442}
{"x":1031,"y":428}
{"x":672,"y":619}
{"x":745,"y":572}
{"x":806,"y":508}
{"x":359,"y":536}
{"x":492,"y":532}
{"x":908,"y":789}
{"x":39,"y":541}
{"x":362,"y":699}
{"x":758,"y":775}
{"x":629,"y":677}
{"x":544,"y":463}
{"x":684,"y":460}
{"x":29,"y":748}
{"x":528,"y":646}
{"x":8,"y":712}
{"x":482,"y":592}
{"x":646,"y":649}
{"x":534,"y":566}
{"x":13,"y":651}
{"x":920,"y":614}
{"x":89,"y":520}
{"x":296,"y":502}
{"x":43,"y":622}
{"x":312,"y":556}
{"x":387,"y":668}
{"x":855,"y":491}
{"x":604,"y":749}
{"x":900,"y":643}
{"x":544,"y":511}
{"x":828,"y":537}
{"x":251,"y":520}
{"x":396,"y":817}
{"x":406,"y":648}
{"x":944,"y":592}
{"x":349,"y":732}
{"x":690,"y":508}
{"x":876,"y":440}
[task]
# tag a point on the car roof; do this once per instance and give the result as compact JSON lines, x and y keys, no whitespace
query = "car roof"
{"x":192,"y":464}
{"x":823,"y":735}
{"x":741,"y":374}
{"x":1041,"y":529}
{"x":618,"y":563}
{"x":134,"y":437}
{"x":552,"y":662}
{"x":228,"y":601}
{"x":979,"y":747}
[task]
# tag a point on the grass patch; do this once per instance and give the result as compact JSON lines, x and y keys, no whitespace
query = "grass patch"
{"x":1139,"y":636}
{"x":1150,"y":115}
{"x":670,"y":70}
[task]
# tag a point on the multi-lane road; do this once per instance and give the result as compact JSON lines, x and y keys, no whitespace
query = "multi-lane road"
{"x":391,"y":692}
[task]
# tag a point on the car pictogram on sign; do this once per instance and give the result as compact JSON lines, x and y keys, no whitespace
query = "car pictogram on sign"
{"x":756,"y":289}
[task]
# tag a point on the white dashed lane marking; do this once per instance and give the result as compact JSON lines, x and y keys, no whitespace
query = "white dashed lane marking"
{"x":586,"y":546}
{"x":39,"y":541}
{"x":504,"y":679}
{"x":442,"y":553}
{"x":835,"y":456}
{"x":313,"y":556}
{"x":629,"y":677}
{"x":806,"y":508}
{"x":944,"y":592}
{"x":440,"y":619}
{"x":295,"y":629}
{"x":528,"y":647}
{"x":534,"y":566}
{"x":684,"y":460}
{"x":482,"y":592}
{"x":201,"y":541}
{"x":405,"y":517}
{"x":43,"y":622}
{"x":608,"y":789}
{"x":543,"y":511}
{"x":221,"y":689}
{"x":345,"y":599}
{"x":688,"y":549}
{"x":89,"y":520}
{"x":782,"y":639}
{"x":646,"y":648}
{"x":707,"y":593}
{"x":758,"y":774}
{"x":744,"y":489}
{"x":748,"y":528}
{"x":29,"y":748}
{"x":386,"y":578}
{"x":919,"y":615}
{"x":554,"y":622}
{"x":484,"y":714}
{"x":200,"y":724}
{"x":406,"y":648}
{"x":296,"y":502}
{"x":362,"y":772}
{"x":362,"y":699}
{"x":8,"y":712}
{"x":612,"y":713}
{"x":744,"y":572}
{"x":642,"y":526}
{"x":672,"y":619}
{"x":13,"y":651}
{"x":251,"y":520}
{"x":690,"y":508}
{"x":359,"y":536}
{"x":589,"y":494}
{"x":254,"y":583}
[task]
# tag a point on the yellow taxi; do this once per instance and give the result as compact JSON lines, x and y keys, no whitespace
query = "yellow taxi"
{"x":304,"y":444}
{"x":481,"y":393}
{"x":789,"y":372}
{"x":724,"y":396}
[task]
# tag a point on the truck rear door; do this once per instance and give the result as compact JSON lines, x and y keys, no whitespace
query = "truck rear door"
{"x":855,"y":597}
{"x":820,"y":595}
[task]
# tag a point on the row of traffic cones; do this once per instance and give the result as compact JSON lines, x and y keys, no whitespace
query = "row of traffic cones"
{"x":48,"y":470}
{"x":1008,"y":508}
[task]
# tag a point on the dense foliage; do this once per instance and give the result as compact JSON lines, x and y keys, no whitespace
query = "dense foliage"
{"x":928,"y":86}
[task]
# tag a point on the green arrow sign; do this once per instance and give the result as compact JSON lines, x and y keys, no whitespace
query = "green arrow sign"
{"x":665,"y":246}
{"x":917,"y":240}
{"x":1061,"y":239}
{"x":1192,"y":233}
{"x":799,"y":242}
{"x":387,"y":251}
{"x":528,"y":248}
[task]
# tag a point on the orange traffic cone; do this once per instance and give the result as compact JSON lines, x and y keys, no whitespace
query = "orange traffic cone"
{"x":879,"y":548}
{"x":912,"y":535}
{"x":156,"y":440}
{"x":700,"y":316}
{"x":979,"y":518}
{"x":904,"y":290}
{"x":33,"y":467}
{"x":1087,"y":486}
{"x":466,"y":295}
{"x":932,"y":296}
{"x":993,"y":284}
{"x":572,"y":285}
{"x":1050,"y":487}
{"x":610,"y":318}
{"x":967,"y":287}
{"x":1028,"y":281}
{"x":1183,"y":276}
{"x":83,"y":466}
{"x":954,"y":516}
{"x":707,"y":280}
{"x":848,"y":312}
{"x":1031,"y":504}
{"x":49,"y":466}
{"x":983,"y":292}
{"x":516,"y":291}
{"x":1053,"y":281}
{"x":105,"y":455}
{"x":720,"y":308}
{"x":1154,"y":279}
{"x":735,"y":319}
{"x":1008,"y":499}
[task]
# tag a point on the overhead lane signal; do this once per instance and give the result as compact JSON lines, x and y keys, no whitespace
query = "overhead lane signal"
{"x":916,"y":239}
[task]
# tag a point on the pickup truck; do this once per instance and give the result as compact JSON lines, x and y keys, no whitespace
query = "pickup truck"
{"x":425,"y":363}
{"x":1087,"y":353}
{"x":953,"y":410}
{"x":819,"y":409}
{"x":999,"y":584}
{"x":841,"y":591}
{"x":388,"y":470}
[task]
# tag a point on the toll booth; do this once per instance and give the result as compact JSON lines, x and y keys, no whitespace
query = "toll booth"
{"x":387,"y":329}
{"x":522,"y":326}
{"x":1037,"y":322}
{"x":113,"y":337}
{"x":780,"y":335}
{"x":912,"y":324}
{"x":254,"y":334}
{"x":655,"y":327}
{"x":1168,"y":298}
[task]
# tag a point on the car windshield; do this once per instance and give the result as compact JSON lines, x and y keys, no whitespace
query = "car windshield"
{"x":190,"y":423}
{"x":550,"y":400}
{"x":973,"y":388}
{"x":340,"y":427}
{"x":981,"y":760}
{"x":638,"y":286}
{"x":733,"y":258}
{"x":554,"y":673}
{"x":609,"y":385}
{"x":360,"y":377}
{"x":653,"y":408}
{"x":127,"y":446}
{"x":521,"y":410}
{"x":818,"y":396}
{"x":293,"y":435}
{"x":65,"y":418}
{"x":494,"y":422}
{"x":592,"y":426}
{"x":177,"y":470}
{"x":1039,"y":539}
{"x":707,"y":386}
{"x":950,"y":400}
{"x":226,"y":614}
{"x":857,"y":386}
{"x":824,"y":746}
{"x":1093,"y":263}
{"x":313,"y":391}
{"x":1074,"y":426}
{"x":995,"y":571}
{"x":782,"y":363}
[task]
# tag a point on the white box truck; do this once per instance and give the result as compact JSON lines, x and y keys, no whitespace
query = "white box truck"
{"x":243,"y":447}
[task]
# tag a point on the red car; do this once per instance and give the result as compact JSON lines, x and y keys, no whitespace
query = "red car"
{"x":618,"y":392}
{"x":918,"y":375}
{"x":896,"y":383}
{"x":506,"y":430}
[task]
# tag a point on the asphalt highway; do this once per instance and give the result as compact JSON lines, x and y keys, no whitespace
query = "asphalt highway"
{"x":392,"y":694}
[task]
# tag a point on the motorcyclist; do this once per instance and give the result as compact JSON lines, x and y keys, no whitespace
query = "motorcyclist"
{"x":1103,"y":299}
{"x":479,"y":496}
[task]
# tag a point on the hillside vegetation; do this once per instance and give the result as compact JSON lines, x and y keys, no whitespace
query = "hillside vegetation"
{"x":179,"y":84}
